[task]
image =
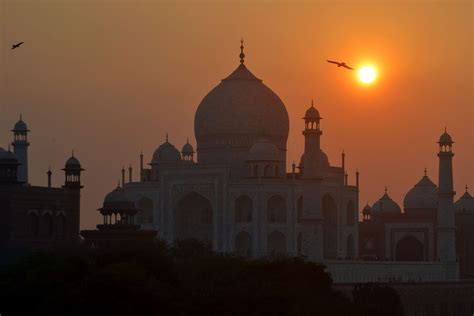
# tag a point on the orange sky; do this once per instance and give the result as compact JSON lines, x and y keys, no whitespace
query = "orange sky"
{"x":110,"y":78}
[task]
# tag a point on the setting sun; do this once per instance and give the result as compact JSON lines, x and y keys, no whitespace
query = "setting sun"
{"x":367,"y":74}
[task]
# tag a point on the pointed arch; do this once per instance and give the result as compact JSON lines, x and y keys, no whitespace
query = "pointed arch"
{"x":350,"y":214}
{"x":276,"y":243}
{"x":409,"y":248}
{"x":329,"y":227}
{"x":299,"y":244}
{"x":194,"y":218}
{"x":243,"y":209}
{"x":243,"y":244}
{"x":276,"y":209}
{"x":350,"y":247}
{"x":299,"y":209}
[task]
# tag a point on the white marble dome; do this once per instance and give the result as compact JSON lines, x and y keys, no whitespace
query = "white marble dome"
{"x":423,"y":195}
{"x":323,"y":160}
{"x":187,"y":149}
{"x":118,"y":195}
{"x":263,"y":150}
{"x":240,"y":110}
{"x":385,"y":205}
{"x":167,"y":152}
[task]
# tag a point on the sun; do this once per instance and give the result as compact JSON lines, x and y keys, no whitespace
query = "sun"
{"x":367,"y":74}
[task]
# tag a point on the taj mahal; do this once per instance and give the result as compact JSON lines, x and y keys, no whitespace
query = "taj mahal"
{"x":234,"y":192}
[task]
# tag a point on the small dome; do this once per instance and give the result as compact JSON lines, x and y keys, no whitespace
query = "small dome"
{"x":118,"y":195}
{"x":423,"y":195}
{"x":445,"y":138}
{"x":187,"y":149}
{"x":263,"y":150}
{"x":323,"y":160}
{"x":367,"y":208}
{"x":465,"y":203}
{"x":20,"y":126}
{"x":312,"y":113}
{"x":386,"y":205}
{"x":166,"y":153}
{"x":73,"y":163}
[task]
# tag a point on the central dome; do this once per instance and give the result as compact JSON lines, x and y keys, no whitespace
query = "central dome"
{"x":238,"y":111}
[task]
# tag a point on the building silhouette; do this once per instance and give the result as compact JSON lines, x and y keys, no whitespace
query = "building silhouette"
{"x":237,"y":196}
{"x":35,"y":216}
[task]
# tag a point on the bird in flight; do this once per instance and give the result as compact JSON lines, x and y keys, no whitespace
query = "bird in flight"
{"x":17,"y":45}
{"x":340,"y":64}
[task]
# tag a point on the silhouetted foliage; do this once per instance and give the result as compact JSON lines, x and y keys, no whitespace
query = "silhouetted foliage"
{"x":374,"y":299}
{"x":186,"y":279}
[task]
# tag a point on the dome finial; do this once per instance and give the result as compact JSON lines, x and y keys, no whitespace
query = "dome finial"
{"x":425,"y":171}
{"x":72,"y":153}
{"x":242,"y":55}
{"x":466,"y":188}
{"x":312,"y":103}
{"x":187,"y":140}
{"x":21,"y":118}
{"x":386,"y":189}
{"x":166,"y":137}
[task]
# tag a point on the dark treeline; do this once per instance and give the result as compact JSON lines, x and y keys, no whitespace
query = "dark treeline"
{"x":186,"y":279}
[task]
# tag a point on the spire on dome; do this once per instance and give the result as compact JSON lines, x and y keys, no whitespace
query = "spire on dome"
{"x":166,"y":137}
{"x":425,"y":172}
{"x":242,"y":55}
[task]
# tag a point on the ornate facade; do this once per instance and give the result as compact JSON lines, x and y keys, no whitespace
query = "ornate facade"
{"x":237,"y":196}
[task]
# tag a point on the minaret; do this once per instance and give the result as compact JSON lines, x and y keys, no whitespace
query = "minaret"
{"x":446,"y":228}
{"x":72,"y":186}
{"x":20,"y":148}
{"x":312,"y":218}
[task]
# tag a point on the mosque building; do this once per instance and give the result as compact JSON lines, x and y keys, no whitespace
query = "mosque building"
{"x":35,"y":216}
{"x":234,"y":193}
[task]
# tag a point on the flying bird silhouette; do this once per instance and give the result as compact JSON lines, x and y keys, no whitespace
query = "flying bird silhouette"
{"x":17,"y":45}
{"x":340,"y":64}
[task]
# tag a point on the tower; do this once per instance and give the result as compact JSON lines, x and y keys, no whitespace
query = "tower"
{"x":312,"y":219}
{"x":20,"y":148}
{"x":446,"y":228}
{"x":72,"y":186}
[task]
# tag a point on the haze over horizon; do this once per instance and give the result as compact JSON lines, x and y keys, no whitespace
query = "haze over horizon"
{"x":111,"y":79}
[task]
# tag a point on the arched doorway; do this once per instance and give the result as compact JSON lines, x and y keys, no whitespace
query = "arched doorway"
{"x":299,"y":209}
{"x":350,"y":214}
{"x":276,"y":210}
{"x":243,"y":209}
{"x":329,"y":227}
{"x":350,"y":251}
{"x":243,"y":244}
{"x":194,"y":218}
{"x":276,"y":244}
{"x":299,"y":244}
{"x":409,"y":248}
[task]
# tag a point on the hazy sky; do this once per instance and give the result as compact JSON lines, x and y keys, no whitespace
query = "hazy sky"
{"x":110,"y":78}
